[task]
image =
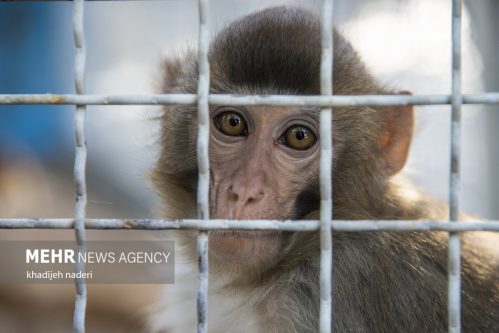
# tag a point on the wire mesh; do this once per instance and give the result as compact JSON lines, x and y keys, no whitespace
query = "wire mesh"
{"x":325,"y":225}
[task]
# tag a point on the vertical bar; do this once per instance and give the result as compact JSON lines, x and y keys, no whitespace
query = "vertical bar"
{"x":326,"y":170}
{"x":454,"y":246}
{"x":203,"y":163}
{"x":80,"y":164}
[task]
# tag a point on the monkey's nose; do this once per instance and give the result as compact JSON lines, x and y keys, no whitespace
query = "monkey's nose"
{"x":245,"y":201}
{"x":245,"y":194}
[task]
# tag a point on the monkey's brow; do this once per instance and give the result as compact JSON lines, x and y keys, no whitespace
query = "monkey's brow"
{"x":315,"y":111}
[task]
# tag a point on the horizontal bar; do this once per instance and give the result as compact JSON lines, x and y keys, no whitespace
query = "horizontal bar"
{"x":288,"y":225}
{"x":219,"y":99}
{"x":73,"y":0}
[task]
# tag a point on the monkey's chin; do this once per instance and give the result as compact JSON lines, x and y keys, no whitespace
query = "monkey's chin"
{"x":254,"y":250}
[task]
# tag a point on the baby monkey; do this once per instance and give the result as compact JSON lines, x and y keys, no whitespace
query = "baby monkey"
{"x":264,"y":164}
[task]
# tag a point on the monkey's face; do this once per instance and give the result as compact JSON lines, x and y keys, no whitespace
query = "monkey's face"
{"x":264,"y":161}
{"x":264,"y":165}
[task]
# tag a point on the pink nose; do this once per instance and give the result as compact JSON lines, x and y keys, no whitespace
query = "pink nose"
{"x":246,"y":190}
{"x":245,"y":195}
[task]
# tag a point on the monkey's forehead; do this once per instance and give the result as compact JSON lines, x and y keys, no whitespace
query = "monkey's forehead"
{"x":275,"y":49}
{"x":278,"y":50}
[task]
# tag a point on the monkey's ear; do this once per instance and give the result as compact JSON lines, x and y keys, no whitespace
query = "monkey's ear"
{"x":396,"y":137}
{"x":171,"y":70}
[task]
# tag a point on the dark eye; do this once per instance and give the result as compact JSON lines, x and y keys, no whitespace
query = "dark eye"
{"x":299,"y":138}
{"x":231,"y":123}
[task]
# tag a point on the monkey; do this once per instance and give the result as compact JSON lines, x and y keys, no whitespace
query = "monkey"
{"x":264,"y":164}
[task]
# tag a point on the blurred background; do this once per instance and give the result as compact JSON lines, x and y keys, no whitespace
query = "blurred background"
{"x":406,"y":44}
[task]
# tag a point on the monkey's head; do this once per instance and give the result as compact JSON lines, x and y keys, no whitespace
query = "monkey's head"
{"x":264,"y":161}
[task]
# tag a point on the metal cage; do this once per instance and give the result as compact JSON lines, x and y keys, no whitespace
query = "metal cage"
{"x":202,"y":99}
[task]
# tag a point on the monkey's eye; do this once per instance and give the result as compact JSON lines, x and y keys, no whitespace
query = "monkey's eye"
{"x":231,"y":123}
{"x":299,"y":137}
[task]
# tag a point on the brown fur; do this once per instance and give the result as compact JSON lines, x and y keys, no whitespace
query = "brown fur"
{"x":383,"y":282}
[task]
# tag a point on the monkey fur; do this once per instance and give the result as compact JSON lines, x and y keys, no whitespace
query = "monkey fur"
{"x":269,"y":282}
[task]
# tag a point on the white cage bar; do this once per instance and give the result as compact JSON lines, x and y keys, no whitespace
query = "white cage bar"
{"x":301,"y":225}
{"x":326,"y":157}
{"x":268,"y":100}
{"x":203,"y":99}
{"x":80,"y":163}
{"x":454,"y":243}
{"x":203,"y":163}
